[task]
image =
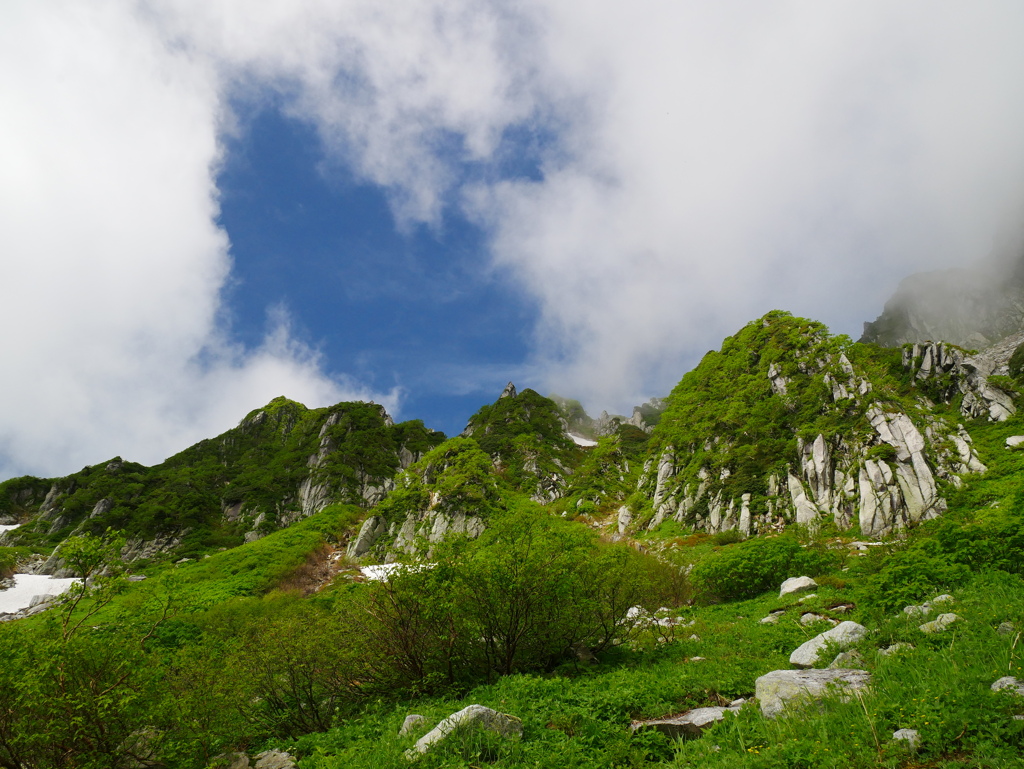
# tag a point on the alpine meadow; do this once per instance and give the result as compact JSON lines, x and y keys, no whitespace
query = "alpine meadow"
{"x":325,"y":588}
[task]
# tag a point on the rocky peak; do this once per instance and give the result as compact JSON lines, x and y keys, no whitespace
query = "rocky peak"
{"x":789,"y":424}
{"x":971,"y":307}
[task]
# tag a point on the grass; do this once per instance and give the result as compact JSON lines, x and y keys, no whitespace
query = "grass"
{"x":581,"y":718}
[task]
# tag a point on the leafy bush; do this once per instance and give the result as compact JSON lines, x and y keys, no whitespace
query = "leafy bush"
{"x":749,"y":568}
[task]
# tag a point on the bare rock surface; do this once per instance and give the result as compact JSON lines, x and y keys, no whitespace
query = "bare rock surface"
{"x":474,"y":715}
{"x":412,"y":722}
{"x":940,"y":623}
{"x":844,"y":635}
{"x":1015,"y":685}
{"x":692,"y":723}
{"x":781,"y":689}
{"x":909,"y":736}
{"x":275,"y":759}
{"x":796,"y":585}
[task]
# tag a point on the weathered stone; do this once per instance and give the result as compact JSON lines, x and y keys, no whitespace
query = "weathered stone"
{"x":844,"y":635}
{"x":473,"y":715}
{"x":411,"y":723}
{"x":909,"y":736}
{"x":231,"y":761}
{"x":1014,"y":440}
{"x":850,"y":659}
{"x":625,"y":517}
{"x":275,"y":759}
{"x":1005,"y":628}
{"x":807,"y":597}
{"x":918,"y":610}
{"x":810,"y":618}
{"x":1015,"y":685}
{"x":940,"y":623}
{"x":902,"y":646}
{"x":796,"y":585}
{"x":692,"y":723}
{"x":780,"y":689}
{"x":771,"y":619}
{"x":373,"y":528}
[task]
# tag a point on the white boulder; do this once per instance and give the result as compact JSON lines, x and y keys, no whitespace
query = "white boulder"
{"x":844,"y":635}
{"x":797,"y":585}
{"x":781,"y":689}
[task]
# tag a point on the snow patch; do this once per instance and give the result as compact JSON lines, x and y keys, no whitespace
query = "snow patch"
{"x":382,"y":571}
{"x":28,"y":586}
{"x":579,"y":440}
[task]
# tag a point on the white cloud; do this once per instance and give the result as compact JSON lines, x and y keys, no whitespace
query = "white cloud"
{"x":112,"y":261}
{"x":740,"y":157}
{"x":706,"y":163}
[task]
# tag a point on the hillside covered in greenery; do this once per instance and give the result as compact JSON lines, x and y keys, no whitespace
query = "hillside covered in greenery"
{"x":582,"y":589}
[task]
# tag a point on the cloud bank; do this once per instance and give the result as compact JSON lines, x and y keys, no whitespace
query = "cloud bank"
{"x":691,"y":166}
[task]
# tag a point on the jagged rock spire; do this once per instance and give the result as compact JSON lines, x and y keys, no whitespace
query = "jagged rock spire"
{"x":508,"y":392}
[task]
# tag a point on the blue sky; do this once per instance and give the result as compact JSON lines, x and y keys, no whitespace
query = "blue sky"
{"x":206,"y":204}
{"x":416,"y":309}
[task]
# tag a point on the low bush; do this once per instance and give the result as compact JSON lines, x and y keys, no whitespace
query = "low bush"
{"x":747,"y":569}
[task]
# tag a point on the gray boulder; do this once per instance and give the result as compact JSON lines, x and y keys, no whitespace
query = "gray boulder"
{"x":810,"y":618}
{"x":373,"y":528}
{"x":692,"y":723}
{"x":940,"y":623}
{"x":900,"y":646}
{"x":845,"y":634}
{"x":909,"y":736}
{"x":1005,"y":628}
{"x":796,"y":585}
{"x":411,"y":723}
{"x":1015,"y":685}
{"x":780,"y":689}
{"x":275,"y":759}
{"x":471,"y":716}
{"x":850,"y":659}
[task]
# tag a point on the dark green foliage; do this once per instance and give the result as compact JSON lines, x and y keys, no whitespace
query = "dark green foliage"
{"x":256,"y":468}
{"x":457,"y":475}
{"x":749,"y":568}
{"x":739,"y":416}
{"x":1016,"y":364}
{"x":9,"y":558}
{"x":22,"y":496}
{"x":605,"y":476}
{"x":724,"y":414}
{"x":526,"y":435}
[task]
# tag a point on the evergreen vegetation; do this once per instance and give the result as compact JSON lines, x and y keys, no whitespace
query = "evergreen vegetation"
{"x":550,"y":614}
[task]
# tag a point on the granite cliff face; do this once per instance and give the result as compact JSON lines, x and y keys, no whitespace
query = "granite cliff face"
{"x":814,"y":429}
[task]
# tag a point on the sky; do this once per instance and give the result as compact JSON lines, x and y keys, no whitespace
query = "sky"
{"x":205,"y":204}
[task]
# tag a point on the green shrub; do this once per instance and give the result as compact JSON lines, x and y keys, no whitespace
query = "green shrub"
{"x":749,"y":568}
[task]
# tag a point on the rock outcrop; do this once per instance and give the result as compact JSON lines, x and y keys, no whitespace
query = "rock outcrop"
{"x":844,"y":635}
{"x":947,"y":371}
{"x":282,"y":463}
{"x":783,"y":689}
{"x":882,"y":465}
{"x":692,"y":723}
{"x":473,"y":716}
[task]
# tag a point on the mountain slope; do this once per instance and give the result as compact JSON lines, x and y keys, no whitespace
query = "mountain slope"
{"x":789,"y":424}
{"x":282,"y":463}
